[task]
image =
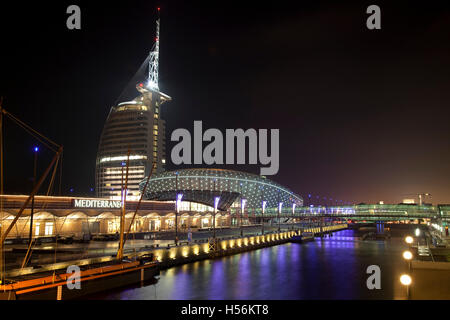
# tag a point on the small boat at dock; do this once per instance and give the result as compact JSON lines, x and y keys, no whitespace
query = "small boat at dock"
{"x":54,"y":285}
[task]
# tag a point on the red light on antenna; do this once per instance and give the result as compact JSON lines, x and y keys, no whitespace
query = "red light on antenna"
{"x":158,"y":8}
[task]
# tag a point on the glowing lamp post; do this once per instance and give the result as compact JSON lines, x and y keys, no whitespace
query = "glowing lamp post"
{"x":406,"y":281}
{"x":264,"y":203}
{"x":178,"y":205}
{"x":409,"y":239}
{"x":179,"y":197}
{"x":36,"y":149}
{"x":243,"y":203}
{"x":407,"y":255}
{"x":216,"y":205}
{"x":280,"y":206}
{"x":293,"y":214}
{"x":417,"y":232}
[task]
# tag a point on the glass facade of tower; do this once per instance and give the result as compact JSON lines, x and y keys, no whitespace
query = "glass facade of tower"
{"x":135,"y":126}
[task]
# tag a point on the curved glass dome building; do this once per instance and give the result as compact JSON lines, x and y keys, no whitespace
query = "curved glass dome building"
{"x":203,"y":185}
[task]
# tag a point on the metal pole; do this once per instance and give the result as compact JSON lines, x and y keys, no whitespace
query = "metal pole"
{"x":122,"y":217}
{"x":262,"y":212}
{"x":32,"y":199}
{"x":214,"y":224}
{"x":240,"y":218}
{"x":214,"y":216}
{"x":138,"y":204}
{"x":119,"y":251}
{"x":242,"y":212}
{"x":176,"y":211}
{"x":262,"y":222}
{"x":279,"y":213}
{"x":418,"y":241}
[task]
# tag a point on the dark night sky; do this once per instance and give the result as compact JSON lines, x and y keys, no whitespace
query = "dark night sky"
{"x":363,"y":115}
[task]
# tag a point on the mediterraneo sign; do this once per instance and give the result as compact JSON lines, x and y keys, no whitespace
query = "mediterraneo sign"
{"x":96,"y":203}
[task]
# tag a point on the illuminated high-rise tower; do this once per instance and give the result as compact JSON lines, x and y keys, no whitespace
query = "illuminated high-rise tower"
{"x":136,"y":126}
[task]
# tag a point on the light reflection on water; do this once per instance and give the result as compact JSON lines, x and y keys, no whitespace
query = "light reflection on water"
{"x":327,"y":268}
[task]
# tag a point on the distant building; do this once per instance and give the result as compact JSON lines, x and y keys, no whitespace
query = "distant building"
{"x":408,"y":201}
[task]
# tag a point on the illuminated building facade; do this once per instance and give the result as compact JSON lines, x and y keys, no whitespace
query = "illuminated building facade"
{"x":203,"y":185}
{"x":136,"y":126}
{"x":133,"y":127}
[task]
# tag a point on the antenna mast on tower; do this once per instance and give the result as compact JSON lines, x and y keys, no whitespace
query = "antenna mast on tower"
{"x":154,"y":61}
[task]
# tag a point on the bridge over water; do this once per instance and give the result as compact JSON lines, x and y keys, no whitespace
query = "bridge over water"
{"x":62,"y":215}
{"x":368,"y":212}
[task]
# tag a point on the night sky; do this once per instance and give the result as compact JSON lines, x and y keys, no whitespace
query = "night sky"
{"x":363,"y":114}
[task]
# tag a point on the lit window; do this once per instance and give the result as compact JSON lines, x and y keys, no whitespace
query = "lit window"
{"x":118,"y":158}
{"x":48,"y":228}
{"x":37,"y":229}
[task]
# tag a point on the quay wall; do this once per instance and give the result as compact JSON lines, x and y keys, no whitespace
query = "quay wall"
{"x":200,"y":250}
{"x":181,"y":254}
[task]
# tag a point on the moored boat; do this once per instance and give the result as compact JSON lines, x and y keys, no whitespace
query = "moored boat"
{"x":59,"y":284}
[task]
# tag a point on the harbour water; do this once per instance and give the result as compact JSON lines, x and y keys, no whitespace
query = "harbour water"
{"x":328,"y":268}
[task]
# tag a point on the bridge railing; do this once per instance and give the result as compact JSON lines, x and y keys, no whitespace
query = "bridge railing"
{"x":355,"y":210}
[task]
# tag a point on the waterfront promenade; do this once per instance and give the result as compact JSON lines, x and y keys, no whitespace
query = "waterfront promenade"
{"x":166,"y":252}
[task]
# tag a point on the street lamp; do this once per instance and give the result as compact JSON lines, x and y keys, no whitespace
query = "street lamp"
{"x":36,"y":149}
{"x":177,"y":208}
{"x":406,"y":281}
{"x":409,"y":239}
{"x":418,"y":239}
{"x":407,"y":255}
{"x":293,"y":215}
{"x":264,"y":203}
{"x":280,"y":206}
{"x":216,"y":204}
{"x":178,"y":204}
{"x":243,"y":202}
